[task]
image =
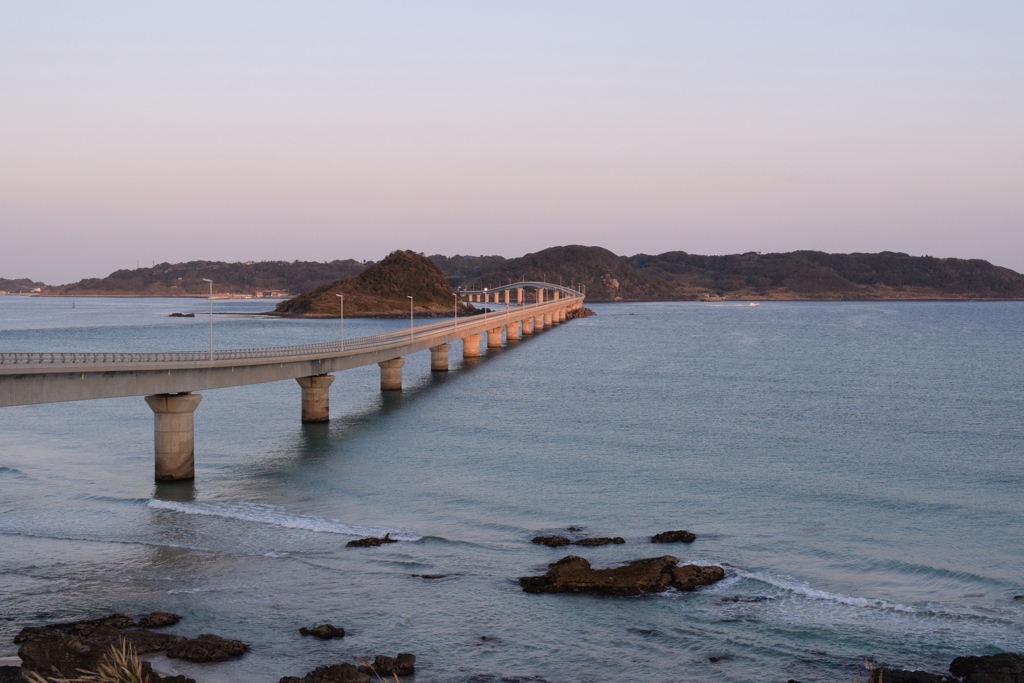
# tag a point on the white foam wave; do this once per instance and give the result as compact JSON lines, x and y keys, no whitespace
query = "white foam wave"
{"x":268,"y":514}
{"x":792,"y":586}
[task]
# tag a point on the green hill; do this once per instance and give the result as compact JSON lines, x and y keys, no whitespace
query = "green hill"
{"x":186,"y":279}
{"x":381,"y":289}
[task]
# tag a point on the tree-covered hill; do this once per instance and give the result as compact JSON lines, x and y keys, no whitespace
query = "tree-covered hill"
{"x":381,"y":289}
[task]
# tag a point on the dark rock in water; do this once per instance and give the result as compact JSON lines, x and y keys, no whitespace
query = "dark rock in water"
{"x":714,"y":659}
{"x":61,"y":654}
{"x":154,"y":677}
{"x":45,"y":652}
{"x":1018,"y":597}
{"x":85,"y":627}
{"x":680,"y":536}
{"x":370,"y":542}
{"x":335,"y":673}
{"x":550,"y":541}
{"x":207,"y":648}
{"x":574,"y":574}
{"x":386,"y":667}
{"x":884,"y":675}
{"x":323,"y":631}
{"x":11,"y":674}
{"x":603,"y":540}
{"x":158,"y":619}
{"x":431,"y":576}
{"x":575,"y":528}
{"x":181,"y":315}
{"x":1006,"y":667}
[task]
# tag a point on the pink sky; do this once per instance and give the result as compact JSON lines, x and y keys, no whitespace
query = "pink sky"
{"x":132,"y":133}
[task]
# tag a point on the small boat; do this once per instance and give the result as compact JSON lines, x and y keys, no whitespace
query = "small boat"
{"x":182,"y":315}
{"x":753,"y":303}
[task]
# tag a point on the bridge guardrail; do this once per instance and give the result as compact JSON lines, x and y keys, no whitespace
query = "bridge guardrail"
{"x":86,"y":358}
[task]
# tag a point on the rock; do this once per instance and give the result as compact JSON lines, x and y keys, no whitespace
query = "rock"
{"x":154,"y":677}
{"x":604,"y":540}
{"x":385,"y":667}
{"x":11,"y":674}
{"x":574,"y":574}
{"x":1006,"y":667}
{"x":714,"y":659}
{"x":158,"y":619}
{"x":335,"y":673}
{"x":207,"y":648}
{"x":550,"y":541}
{"x":884,"y":675}
{"x":1018,"y":597}
{"x":431,"y":576}
{"x":61,"y":654}
{"x":679,"y":536}
{"x":323,"y":631}
{"x":575,"y":528}
{"x":85,"y":627}
{"x":370,"y":542}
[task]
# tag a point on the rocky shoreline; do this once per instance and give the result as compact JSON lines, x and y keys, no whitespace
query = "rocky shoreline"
{"x":65,"y":650}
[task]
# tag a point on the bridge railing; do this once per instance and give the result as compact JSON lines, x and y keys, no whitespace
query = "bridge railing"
{"x":85,"y":358}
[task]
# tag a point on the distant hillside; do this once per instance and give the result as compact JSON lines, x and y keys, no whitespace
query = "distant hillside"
{"x":381,"y":289}
{"x":20,"y":286}
{"x":186,"y":279}
{"x":795,"y":275}
{"x":672,"y":276}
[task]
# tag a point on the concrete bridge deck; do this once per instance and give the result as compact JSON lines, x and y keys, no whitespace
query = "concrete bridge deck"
{"x":167,"y":379}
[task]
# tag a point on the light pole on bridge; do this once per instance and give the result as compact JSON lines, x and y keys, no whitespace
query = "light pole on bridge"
{"x":410,"y":319}
{"x":211,"y":317}
{"x":341,"y":319}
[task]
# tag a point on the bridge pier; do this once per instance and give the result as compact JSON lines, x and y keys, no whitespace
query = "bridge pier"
{"x":174,"y":435}
{"x":471,"y":346}
{"x":512,"y":331}
{"x":549,"y":319}
{"x":439,"y":357}
{"x":316,"y":398}
{"x":561,"y":315}
{"x":538,"y":323}
{"x":391,"y":374}
{"x":494,"y":338}
{"x":528,"y":326}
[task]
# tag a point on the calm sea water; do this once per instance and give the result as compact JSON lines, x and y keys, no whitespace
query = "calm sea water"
{"x":857,"y":467}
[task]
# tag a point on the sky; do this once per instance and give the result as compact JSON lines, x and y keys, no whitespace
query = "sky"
{"x":139,"y":132}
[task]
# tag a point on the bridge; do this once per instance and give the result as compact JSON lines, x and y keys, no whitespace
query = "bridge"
{"x":169,"y":379}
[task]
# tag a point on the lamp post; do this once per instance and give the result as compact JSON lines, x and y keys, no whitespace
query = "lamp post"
{"x":410,"y":318}
{"x":456,"y":310}
{"x":341,"y":319}
{"x":485,"y":303}
{"x":211,"y":317}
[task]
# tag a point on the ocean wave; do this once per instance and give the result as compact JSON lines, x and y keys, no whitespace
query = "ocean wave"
{"x":259,"y":513}
{"x":797,"y":588}
{"x":12,"y":472}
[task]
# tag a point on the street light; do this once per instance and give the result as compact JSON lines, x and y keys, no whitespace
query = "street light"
{"x":341,"y":319}
{"x":485,"y":303}
{"x":456,"y":310}
{"x":211,"y":317}
{"x":410,"y":318}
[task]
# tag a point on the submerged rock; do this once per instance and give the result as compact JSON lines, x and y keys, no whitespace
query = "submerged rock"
{"x":1006,"y":667}
{"x":431,"y":576}
{"x":574,"y":574}
{"x":207,"y":648}
{"x":158,"y":619}
{"x":335,"y":673}
{"x":323,"y":631}
{"x":603,"y":540}
{"x":386,"y":667}
{"x":551,"y":541}
{"x":679,"y":536}
{"x":370,"y":541}
{"x":85,"y":627}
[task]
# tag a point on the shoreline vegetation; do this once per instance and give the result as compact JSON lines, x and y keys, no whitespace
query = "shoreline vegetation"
{"x":605,"y":276}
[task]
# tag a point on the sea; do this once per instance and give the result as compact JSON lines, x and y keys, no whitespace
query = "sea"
{"x":856,"y":467}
